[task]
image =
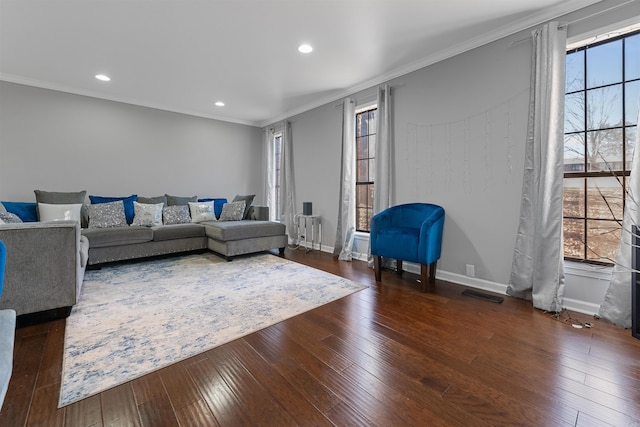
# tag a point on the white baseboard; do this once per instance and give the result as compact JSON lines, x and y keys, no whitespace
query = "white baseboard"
{"x":570,"y":304}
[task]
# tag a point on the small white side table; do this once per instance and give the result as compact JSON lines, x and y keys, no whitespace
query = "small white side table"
{"x":309,"y":223}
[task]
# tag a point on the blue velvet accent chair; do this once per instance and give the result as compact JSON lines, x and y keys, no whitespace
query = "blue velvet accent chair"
{"x":7,"y":333}
{"x":411,"y":232}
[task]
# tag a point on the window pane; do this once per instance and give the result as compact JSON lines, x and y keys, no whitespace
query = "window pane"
{"x":604,"y":107}
{"x":604,"y":64}
{"x":372,"y":122}
{"x":603,"y":238}
{"x":631,"y":143}
{"x":574,"y":153}
{"x":575,"y":71}
{"x":362,"y":147}
{"x":372,"y":146}
{"x":632,"y":57}
{"x":573,"y":234}
{"x":372,"y":170}
{"x":604,"y":198}
{"x":631,"y":97}
{"x":604,"y":150}
{"x":362,"y":173}
{"x":362,"y":124}
{"x":573,"y":198}
{"x":574,"y":112}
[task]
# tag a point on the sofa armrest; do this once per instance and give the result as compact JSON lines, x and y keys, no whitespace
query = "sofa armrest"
{"x":43,"y":269}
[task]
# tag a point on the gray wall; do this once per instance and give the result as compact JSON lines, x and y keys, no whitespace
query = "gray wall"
{"x":459,"y":130}
{"x":63,"y":142}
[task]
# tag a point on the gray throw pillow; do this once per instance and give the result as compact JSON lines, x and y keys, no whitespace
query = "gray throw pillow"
{"x":177,"y":214}
{"x":232,"y":211}
{"x":153,"y":200}
{"x":107,"y":215}
{"x":2,"y":208}
{"x":65,"y":198}
{"x":248,"y":200}
{"x":180,"y":200}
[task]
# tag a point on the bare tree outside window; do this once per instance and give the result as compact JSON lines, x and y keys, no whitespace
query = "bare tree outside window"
{"x":601,"y":107}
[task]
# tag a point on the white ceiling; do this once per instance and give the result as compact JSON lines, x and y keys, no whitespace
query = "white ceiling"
{"x":183,"y":55}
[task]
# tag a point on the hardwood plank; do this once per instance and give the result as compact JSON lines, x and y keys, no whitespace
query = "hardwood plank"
{"x":153,"y":401}
{"x":51,"y":367}
{"x":44,"y":407}
{"x":119,"y":407}
{"x":86,"y":412}
{"x":196,"y":414}
{"x":180,"y":387}
{"x":218,"y":396}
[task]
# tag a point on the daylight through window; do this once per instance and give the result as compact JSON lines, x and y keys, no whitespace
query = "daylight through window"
{"x":365,"y":166}
{"x":601,"y":110}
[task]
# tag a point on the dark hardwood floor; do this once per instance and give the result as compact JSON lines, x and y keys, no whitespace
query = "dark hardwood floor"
{"x":386,"y":356}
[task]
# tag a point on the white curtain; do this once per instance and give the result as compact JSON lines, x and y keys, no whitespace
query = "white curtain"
{"x":270,"y":181}
{"x":616,"y":306}
{"x":383,"y":178}
{"x":345,"y":227}
{"x":537,"y":269}
{"x":287,"y":188}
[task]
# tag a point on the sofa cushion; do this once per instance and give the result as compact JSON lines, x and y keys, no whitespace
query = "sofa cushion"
{"x":107,"y":215}
{"x":127,"y":201}
{"x":177,"y":231}
{"x":233,"y":211}
{"x":147,"y":215}
{"x":245,"y":229}
{"x":153,"y":200}
{"x":116,"y":236}
{"x":180,"y":200}
{"x":218,"y":203}
{"x":27,"y":211}
{"x":248,"y":200}
{"x":177,"y":214}
{"x":65,"y":198}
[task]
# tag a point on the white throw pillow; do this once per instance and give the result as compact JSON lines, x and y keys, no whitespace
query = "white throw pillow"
{"x":147,"y":215}
{"x":50,"y":212}
{"x":202,"y":211}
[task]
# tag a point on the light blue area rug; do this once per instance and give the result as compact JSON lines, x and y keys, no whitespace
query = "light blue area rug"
{"x":135,"y":318}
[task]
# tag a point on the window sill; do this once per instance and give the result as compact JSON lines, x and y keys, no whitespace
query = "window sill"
{"x":588,"y":270}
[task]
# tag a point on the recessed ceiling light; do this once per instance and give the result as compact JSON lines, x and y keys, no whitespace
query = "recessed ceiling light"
{"x":219,"y":104}
{"x":305,"y":48}
{"x":103,"y":77}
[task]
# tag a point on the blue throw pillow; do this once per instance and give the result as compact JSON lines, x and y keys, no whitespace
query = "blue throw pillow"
{"x":218,"y":203}
{"x":129,"y":212}
{"x":26,"y":211}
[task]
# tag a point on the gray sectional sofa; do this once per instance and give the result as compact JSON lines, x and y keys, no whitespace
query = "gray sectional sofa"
{"x":46,"y":261}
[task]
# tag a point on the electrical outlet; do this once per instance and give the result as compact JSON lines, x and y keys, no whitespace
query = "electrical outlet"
{"x":471,"y":270}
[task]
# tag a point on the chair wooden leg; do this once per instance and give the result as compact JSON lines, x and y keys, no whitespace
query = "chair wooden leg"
{"x":399,"y":267}
{"x":432,"y":272}
{"x":427,"y":276}
{"x":377,"y":262}
{"x":424,"y":278}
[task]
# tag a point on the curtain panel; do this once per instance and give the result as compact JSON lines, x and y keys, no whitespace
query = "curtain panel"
{"x":616,"y":306}
{"x":269,"y":167}
{"x":537,"y":269}
{"x":384,"y":161}
{"x":345,"y":226}
{"x":287,"y":184}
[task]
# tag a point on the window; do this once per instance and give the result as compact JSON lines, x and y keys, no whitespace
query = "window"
{"x":365,"y":166}
{"x":601,"y":110}
{"x":277,"y":167}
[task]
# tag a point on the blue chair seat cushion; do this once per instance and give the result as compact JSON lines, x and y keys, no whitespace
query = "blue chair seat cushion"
{"x":397,"y":243}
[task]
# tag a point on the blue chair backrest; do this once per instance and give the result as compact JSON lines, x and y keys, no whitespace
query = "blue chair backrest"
{"x":3,"y":261}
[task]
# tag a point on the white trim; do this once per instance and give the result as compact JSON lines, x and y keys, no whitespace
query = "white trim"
{"x":588,"y":270}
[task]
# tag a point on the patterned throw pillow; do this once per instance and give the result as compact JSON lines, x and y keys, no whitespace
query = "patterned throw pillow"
{"x":202,"y":211}
{"x":233,"y":211}
{"x":107,"y":215}
{"x":177,"y":214}
{"x":9,"y":218}
{"x":147,"y":215}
